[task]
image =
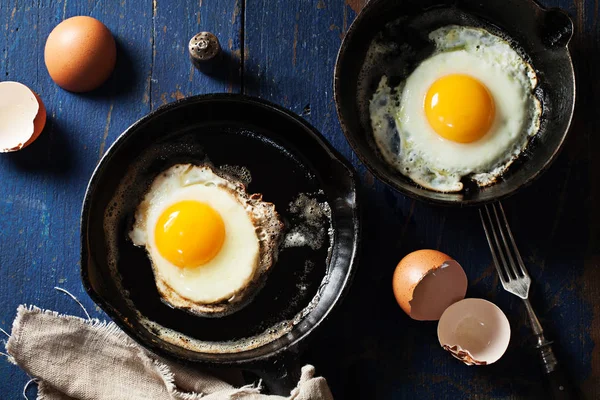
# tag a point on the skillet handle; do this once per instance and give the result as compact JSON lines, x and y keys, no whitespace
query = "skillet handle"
{"x":556,"y":28}
{"x":280,"y":376}
{"x":559,"y":384}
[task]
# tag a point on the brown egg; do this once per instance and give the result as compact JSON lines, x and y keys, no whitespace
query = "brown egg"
{"x":426,"y":282}
{"x":80,"y":54}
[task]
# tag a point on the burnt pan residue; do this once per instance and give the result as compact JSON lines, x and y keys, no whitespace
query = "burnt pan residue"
{"x":391,"y":38}
{"x":276,"y":154}
{"x":403,"y":44}
{"x":276,"y":307}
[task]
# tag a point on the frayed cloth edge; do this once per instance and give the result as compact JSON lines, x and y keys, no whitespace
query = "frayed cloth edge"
{"x":109,"y":330}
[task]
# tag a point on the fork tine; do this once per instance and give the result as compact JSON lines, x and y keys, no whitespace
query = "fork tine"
{"x":507,"y":248}
{"x":499,"y":248}
{"x":490,"y":234}
{"x":520,"y":262}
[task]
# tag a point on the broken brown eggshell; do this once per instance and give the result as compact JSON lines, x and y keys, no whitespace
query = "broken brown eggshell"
{"x":22,"y":116}
{"x":427,"y":282}
{"x":429,"y":286}
{"x":475,"y":331}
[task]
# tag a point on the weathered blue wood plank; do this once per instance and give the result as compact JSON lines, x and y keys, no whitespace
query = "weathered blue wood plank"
{"x":174,"y":24}
{"x":43,"y":186}
{"x":290,"y":52}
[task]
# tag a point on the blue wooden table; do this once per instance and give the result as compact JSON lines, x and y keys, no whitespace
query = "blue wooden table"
{"x":285,"y":51}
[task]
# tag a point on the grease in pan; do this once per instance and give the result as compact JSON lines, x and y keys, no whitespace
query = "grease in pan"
{"x":466,"y":111}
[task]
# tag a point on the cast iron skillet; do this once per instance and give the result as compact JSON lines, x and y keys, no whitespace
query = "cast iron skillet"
{"x":286,"y":157}
{"x":540,"y":35}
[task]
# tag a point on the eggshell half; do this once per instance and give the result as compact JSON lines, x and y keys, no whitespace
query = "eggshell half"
{"x":427,"y":282}
{"x":22,"y":116}
{"x":475,"y":331}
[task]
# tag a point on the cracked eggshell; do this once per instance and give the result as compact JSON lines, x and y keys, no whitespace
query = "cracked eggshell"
{"x":475,"y":331}
{"x":427,"y":282}
{"x":22,"y":116}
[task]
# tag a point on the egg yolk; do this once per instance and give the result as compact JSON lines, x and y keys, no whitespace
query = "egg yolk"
{"x":189,"y":233}
{"x":459,"y":108}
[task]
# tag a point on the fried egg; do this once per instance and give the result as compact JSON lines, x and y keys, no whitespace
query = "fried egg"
{"x":468,"y":110}
{"x":210,"y":243}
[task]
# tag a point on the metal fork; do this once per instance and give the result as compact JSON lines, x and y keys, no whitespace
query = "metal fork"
{"x":516,"y":280}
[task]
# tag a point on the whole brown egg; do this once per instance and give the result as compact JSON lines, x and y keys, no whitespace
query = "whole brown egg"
{"x":80,"y":54}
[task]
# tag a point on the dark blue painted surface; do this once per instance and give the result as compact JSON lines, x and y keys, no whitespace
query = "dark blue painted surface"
{"x":370,"y":349}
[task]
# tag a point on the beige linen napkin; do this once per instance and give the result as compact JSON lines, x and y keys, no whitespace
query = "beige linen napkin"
{"x":77,"y":359}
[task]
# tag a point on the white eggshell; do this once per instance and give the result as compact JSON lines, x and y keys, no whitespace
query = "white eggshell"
{"x":475,"y":331}
{"x":18,"y":109}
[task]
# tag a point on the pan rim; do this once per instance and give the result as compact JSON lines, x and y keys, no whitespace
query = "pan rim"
{"x":230,"y":358}
{"x":428,"y":198}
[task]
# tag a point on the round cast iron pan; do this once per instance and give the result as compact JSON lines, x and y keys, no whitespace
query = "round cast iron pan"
{"x":540,"y":35}
{"x":286,"y":157}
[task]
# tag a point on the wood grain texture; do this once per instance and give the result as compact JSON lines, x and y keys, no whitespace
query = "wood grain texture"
{"x":371,"y":349}
{"x":285,"y":52}
{"x":43,"y":186}
{"x":174,"y":24}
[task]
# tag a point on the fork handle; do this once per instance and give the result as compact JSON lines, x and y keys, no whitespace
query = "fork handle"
{"x":558,"y":383}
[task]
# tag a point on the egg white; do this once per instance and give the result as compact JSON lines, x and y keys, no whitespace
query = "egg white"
{"x":407,"y":140}
{"x":248,"y":222}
